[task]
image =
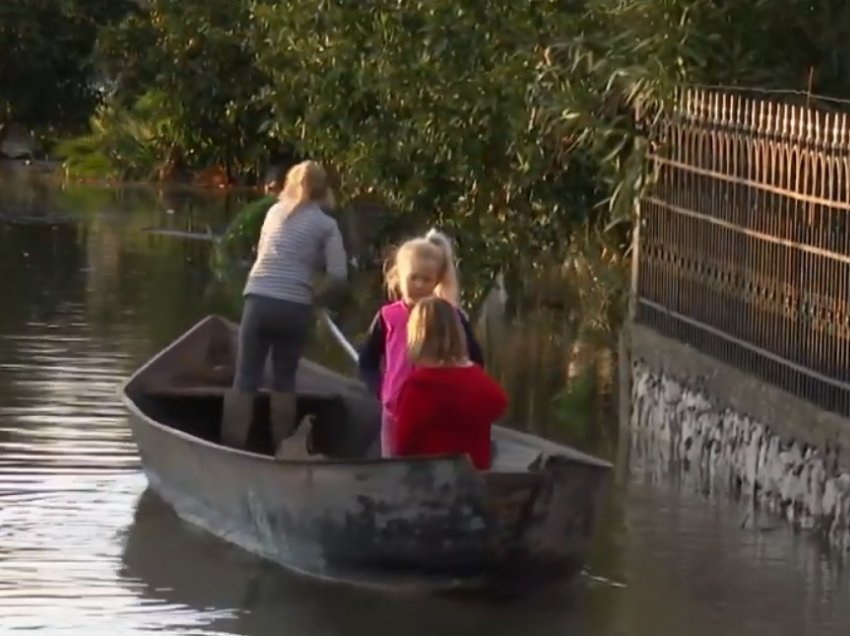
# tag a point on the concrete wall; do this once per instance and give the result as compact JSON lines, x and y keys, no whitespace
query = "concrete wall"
{"x":767,"y":446}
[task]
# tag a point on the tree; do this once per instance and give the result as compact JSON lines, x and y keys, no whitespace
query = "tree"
{"x":431,"y":104}
{"x":197,"y":57}
{"x":46,"y":72}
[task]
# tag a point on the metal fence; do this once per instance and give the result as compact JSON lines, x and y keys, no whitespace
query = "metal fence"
{"x":745,"y":241}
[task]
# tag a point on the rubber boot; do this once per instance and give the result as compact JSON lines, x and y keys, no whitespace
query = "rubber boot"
{"x":281,"y":416}
{"x":237,"y":413}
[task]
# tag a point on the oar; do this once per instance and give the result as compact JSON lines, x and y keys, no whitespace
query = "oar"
{"x":340,"y":337}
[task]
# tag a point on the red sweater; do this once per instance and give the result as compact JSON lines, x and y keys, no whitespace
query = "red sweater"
{"x":444,"y":410}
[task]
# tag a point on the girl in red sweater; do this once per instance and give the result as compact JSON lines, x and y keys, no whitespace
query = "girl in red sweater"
{"x":447,"y":404}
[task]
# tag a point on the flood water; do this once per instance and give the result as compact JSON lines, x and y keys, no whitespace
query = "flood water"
{"x":84,"y":549}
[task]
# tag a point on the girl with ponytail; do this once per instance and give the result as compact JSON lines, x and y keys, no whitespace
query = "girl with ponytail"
{"x":421,"y":268}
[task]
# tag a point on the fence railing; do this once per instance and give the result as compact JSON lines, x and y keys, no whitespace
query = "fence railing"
{"x":745,"y":240}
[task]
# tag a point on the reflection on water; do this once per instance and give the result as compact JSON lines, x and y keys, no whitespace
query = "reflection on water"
{"x":182,"y":566}
{"x":85,"y":549}
{"x":703,"y":574}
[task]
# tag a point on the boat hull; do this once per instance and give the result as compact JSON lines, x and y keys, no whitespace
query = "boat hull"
{"x":364,"y":524}
{"x":422,"y":524}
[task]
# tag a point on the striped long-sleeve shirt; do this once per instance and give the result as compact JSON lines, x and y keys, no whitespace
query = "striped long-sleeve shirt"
{"x":293,"y":248}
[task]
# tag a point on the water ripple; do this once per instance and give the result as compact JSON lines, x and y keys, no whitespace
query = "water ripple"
{"x":69,"y":480}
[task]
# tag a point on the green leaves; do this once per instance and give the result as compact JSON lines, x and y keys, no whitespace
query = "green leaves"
{"x":200,"y":56}
{"x":433,"y":105}
{"x":46,"y":72}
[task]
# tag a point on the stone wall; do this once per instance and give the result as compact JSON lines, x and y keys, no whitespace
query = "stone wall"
{"x":791,"y":468}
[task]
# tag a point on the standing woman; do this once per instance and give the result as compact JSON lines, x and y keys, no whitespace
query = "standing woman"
{"x":297,"y":242}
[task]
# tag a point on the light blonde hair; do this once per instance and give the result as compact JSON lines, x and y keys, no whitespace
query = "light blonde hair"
{"x":435,"y":333}
{"x":434,"y":246}
{"x":306,"y":181}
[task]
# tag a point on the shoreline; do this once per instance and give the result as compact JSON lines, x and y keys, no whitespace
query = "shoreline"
{"x":51,"y":169}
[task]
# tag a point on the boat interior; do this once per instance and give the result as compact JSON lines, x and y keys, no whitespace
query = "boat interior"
{"x":184,"y":387}
{"x":198,"y":413}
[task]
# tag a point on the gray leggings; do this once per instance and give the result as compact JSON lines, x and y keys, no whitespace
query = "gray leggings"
{"x":267,"y":324}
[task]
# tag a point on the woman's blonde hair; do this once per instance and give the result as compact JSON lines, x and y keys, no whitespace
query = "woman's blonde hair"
{"x":306,"y":181}
{"x":435,"y":246}
{"x":435,"y":333}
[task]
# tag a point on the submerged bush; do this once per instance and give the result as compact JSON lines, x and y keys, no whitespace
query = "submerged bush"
{"x":240,"y":238}
{"x":124,"y":143}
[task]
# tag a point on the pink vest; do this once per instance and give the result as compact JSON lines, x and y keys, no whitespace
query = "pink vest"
{"x":397,"y":365}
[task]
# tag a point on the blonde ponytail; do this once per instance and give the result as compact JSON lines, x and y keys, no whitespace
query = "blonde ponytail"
{"x":449,"y":287}
{"x":392,"y":276}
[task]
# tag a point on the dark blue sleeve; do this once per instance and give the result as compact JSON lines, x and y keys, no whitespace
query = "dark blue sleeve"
{"x":475,"y":352}
{"x":371,"y":354}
